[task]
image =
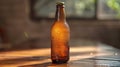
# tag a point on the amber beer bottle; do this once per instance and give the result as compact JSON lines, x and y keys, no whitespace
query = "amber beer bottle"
{"x":60,"y":35}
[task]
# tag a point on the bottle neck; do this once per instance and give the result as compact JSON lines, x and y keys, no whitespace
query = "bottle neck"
{"x":60,"y":13}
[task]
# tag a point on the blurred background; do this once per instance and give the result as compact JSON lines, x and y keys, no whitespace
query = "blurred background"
{"x":25,"y":24}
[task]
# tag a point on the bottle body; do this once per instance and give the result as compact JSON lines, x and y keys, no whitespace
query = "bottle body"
{"x":60,"y":35}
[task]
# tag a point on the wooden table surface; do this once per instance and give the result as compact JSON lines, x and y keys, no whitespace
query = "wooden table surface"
{"x":80,"y":56}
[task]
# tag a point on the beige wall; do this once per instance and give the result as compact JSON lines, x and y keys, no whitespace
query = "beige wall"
{"x":22,"y":32}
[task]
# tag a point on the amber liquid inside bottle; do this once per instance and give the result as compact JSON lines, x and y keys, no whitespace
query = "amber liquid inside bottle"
{"x":60,"y":35}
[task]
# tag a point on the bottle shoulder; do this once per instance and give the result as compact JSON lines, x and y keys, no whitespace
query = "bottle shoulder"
{"x":60,"y":25}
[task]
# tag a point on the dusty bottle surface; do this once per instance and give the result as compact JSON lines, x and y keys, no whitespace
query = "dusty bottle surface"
{"x":60,"y":35}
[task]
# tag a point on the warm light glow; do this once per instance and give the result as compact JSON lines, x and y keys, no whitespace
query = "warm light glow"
{"x":83,"y":49}
{"x":25,"y":53}
{"x":76,"y":53}
{"x":24,"y":63}
{"x":60,"y":32}
{"x":41,"y":52}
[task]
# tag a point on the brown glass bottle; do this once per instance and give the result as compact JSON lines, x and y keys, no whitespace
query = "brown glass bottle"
{"x":60,"y":35}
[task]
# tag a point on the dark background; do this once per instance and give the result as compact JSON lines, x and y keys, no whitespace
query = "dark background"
{"x":23,"y":32}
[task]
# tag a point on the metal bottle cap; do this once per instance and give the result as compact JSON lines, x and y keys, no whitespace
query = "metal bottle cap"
{"x":60,"y":3}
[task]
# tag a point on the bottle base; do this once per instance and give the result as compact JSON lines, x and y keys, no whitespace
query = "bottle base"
{"x":59,"y":61}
